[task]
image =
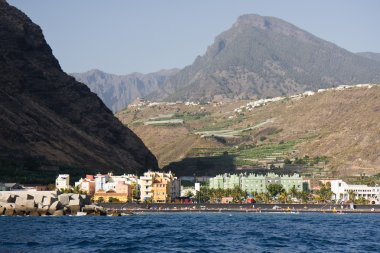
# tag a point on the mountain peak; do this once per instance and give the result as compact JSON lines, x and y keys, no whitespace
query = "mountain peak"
{"x":272,"y":24}
{"x":260,"y":57}
{"x":254,"y":20}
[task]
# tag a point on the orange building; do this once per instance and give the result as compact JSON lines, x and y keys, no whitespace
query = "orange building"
{"x":87,"y":184}
{"x":161,"y":190}
{"x":159,"y":187}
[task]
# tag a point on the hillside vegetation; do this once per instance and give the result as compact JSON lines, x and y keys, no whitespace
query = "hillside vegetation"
{"x":340,"y":127}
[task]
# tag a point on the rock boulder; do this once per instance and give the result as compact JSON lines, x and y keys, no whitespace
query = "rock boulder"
{"x":64,"y":199}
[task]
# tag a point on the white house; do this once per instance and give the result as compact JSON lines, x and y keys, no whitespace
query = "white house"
{"x":109,"y":182}
{"x":341,"y":191}
{"x":62,"y":182}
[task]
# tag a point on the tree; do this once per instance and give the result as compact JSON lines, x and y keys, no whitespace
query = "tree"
{"x":238,"y":194}
{"x":351,"y":196}
{"x":112,"y":199}
{"x":275,"y":189}
{"x":361,"y":201}
{"x":294,"y":192}
{"x":189,"y":194}
{"x":283,"y":197}
{"x":51,"y":187}
{"x":204,"y":195}
{"x":304,"y":196}
{"x":135,"y":191}
{"x":325,"y":192}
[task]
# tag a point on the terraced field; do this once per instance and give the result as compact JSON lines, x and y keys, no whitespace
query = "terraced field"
{"x":342,"y":126}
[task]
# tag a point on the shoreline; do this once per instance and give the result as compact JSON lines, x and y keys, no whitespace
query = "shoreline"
{"x":128,"y":212}
{"x":239,"y":208}
{"x":295,"y":211}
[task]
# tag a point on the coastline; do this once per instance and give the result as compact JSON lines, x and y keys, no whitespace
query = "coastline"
{"x":244,"y":208}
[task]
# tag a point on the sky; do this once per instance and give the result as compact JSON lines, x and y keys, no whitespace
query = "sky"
{"x":125,"y":36}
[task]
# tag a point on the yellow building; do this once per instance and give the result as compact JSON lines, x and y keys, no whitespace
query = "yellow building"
{"x":121,"y":193}
{"x":103,"y":196}
{"x":161,"y":190}
{"x":159,"y":187}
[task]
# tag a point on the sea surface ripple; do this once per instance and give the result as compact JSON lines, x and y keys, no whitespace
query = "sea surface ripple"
{"x":193,"y":232}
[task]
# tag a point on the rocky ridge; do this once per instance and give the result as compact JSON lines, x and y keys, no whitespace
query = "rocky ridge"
{"x":258,"y":57}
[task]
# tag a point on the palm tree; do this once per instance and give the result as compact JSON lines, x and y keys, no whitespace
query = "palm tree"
{"x":266,"y":197}
{"x":293,"y":191}
{"x":304,"y":196}
{"x":351,"y":196}
{"x":283,"y":197}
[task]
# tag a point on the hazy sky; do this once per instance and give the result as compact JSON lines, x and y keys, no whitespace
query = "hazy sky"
{"x":122,"y":36}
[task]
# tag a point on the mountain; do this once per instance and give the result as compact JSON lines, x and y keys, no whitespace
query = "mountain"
{"x":117,"y":91}
{"x":257,"y":57}
{"x":50,"y":123}
{"x":340,"y":127}
{"x":266,"y":57}
{"x":370,"y":55}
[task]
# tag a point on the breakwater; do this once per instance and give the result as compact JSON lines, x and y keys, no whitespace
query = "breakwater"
{"x":40,"y":203}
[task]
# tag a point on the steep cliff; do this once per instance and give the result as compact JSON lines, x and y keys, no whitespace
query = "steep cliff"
{"x":49,"y":120}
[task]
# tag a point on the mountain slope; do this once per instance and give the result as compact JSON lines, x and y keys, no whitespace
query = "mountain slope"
{"x":265,"y":56}
{"x":49,"y":120}
{"x":117,"y":91}
{"x":342,"y":125}
{"x":370,"y":55}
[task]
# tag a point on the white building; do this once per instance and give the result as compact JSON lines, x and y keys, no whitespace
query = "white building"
{"x":62,"y":182}
{"x":109,"y":182}
{"x":341,"y":191}
{"x":192,"y":189}
{"x":146,"y":189}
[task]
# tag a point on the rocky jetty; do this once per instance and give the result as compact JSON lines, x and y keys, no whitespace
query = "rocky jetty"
{"x":46,"y":203}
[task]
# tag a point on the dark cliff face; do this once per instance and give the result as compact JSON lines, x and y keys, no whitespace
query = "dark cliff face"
{"x":48,"y":117}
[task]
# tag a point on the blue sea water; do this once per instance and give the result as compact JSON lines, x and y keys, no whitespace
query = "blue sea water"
{"x":193,"y":232}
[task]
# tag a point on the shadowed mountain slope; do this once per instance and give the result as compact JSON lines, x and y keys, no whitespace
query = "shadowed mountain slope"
{"x":49,"y":121}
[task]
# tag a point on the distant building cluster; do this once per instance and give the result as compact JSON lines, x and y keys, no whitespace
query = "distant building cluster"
{"x":140,"y":102}
{"x":261,"y":102}
{"x":157,"y":187}
{"x":162,"y":187}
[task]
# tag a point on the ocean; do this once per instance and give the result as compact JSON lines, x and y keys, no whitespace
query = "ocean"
{"x":193,"y":232}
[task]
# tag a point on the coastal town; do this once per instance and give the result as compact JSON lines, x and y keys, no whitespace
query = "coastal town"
{"x":93,"y":193}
